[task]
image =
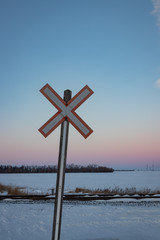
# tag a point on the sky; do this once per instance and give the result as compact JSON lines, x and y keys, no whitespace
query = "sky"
{"x":113,"y":46}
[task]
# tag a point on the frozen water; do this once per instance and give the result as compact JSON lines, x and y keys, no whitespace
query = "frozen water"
{"x":44,"y":182}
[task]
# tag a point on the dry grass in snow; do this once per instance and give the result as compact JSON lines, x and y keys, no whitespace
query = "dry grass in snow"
{"x":12,"y":190}
{"x":117,"y":190}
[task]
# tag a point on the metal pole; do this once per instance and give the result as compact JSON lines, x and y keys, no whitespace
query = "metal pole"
{"x":61,"y":174}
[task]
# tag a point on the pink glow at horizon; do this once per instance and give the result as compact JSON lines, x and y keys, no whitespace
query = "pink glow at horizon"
{"x":112,"y":152}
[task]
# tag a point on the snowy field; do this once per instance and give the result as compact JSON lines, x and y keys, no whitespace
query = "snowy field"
{"x":95,"y":220}
{"x":44,"y":182}
{"x":81,"y":221}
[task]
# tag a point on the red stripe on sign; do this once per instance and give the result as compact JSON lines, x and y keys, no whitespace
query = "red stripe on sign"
{"x":79,"y":130}
{"x":52,"y":129}
{"x":84,"y":99}
{"x":49,"y":99}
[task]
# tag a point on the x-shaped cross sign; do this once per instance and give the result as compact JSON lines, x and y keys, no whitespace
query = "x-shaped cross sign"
{"x":66,"y":111}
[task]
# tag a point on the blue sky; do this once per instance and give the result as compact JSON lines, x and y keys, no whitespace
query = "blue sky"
{"x":112,"y":46}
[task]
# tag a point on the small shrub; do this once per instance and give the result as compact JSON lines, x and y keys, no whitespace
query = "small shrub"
{"x":12,"y":190}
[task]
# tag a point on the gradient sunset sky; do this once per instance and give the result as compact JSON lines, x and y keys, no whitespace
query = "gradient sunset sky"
{"x":113,"y":46}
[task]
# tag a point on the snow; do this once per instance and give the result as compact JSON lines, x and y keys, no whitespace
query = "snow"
{"x":97,"y":220}
{"x":3,"y":193}
{"x":118,"y":219}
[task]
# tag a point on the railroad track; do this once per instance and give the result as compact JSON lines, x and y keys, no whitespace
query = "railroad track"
{"x":83,"y":197}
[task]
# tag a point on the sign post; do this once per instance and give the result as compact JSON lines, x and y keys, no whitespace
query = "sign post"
{"x":66,"y":113}
{"x":61,"y":174}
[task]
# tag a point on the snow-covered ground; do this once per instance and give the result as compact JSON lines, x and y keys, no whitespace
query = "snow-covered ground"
{"x":101,"y":220}
{"x":95,"y":220}
{"x":43,"y":182}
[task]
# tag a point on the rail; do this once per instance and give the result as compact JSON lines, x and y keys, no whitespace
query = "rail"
{"x":83,"y":197}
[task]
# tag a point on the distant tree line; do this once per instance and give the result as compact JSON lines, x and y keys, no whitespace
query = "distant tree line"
{"x":72,"y":168}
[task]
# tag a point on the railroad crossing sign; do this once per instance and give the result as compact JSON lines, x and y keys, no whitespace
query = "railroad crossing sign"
{"x":66,"y":111}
